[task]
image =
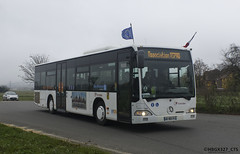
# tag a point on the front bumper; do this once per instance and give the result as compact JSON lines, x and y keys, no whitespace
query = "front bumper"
{"x":159,"y":119}
{"x":12,"y":99}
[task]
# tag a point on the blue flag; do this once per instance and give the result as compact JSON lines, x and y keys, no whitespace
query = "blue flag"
{"x":127,"y":33}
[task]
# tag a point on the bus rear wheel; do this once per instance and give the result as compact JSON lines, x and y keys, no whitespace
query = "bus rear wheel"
{"x":51,"y":106}
{"x":100,"y":113}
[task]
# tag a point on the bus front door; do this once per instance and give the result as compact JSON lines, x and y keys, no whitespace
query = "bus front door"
{"x":124,"y":88}
{"x":61,"y":86}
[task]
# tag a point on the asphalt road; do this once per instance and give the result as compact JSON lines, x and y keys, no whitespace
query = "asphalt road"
{"x":209,"y":133}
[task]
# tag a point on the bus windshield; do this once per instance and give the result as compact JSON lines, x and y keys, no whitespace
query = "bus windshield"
{"x":167,"y":79}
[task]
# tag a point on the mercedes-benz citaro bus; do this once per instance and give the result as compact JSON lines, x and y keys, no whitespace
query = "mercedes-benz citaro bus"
{"x":133,"y":84}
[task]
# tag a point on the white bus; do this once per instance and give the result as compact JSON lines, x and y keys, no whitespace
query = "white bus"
{"x":133,"y":84}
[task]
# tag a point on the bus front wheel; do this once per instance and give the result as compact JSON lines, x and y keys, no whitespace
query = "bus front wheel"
{"x":100,"y":113}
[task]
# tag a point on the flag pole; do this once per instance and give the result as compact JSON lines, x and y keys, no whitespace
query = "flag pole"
{"x":187,"y":44}
{"x":132,"y":33}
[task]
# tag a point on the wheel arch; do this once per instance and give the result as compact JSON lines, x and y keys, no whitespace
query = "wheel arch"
{"x":95,"y":102}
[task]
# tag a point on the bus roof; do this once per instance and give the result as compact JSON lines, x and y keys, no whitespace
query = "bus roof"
{"x":109,"y":49}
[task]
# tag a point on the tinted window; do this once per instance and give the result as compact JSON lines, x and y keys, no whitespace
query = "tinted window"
{"x":70,"y":78}
{"x":43,"y":80}
{"x":167,"y":79}
{"x":37,"y":80}
{"x":82,"y":78}
{"x":103,"y":77}
{"x":51,"y":80}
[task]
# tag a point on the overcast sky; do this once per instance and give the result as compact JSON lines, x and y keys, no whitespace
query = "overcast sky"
{"x":66,"y":28}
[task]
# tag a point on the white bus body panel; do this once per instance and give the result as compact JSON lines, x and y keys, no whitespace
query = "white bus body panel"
{"x":85,"y":106}
{"x":164,"y":110}
{"x":159,"y":108}
{"x":44,"y":96}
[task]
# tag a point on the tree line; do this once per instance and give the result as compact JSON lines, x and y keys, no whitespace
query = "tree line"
{"x":218,"y":88}
{"x":3,"y":89}
{"x":225,"y":76}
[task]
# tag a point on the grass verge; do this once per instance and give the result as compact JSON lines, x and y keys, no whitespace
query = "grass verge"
{"x":15,"y":140}
{"x":25,"y":95}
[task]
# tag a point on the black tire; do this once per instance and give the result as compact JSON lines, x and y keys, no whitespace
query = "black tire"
{"x":51,"y":106}
{"x":100,"y":113}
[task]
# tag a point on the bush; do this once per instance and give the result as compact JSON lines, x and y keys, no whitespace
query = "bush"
{"x":219,"y":102}
{"x":3,"y":89}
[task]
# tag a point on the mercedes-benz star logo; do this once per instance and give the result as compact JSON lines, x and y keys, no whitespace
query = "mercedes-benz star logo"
{"x":170,"y":109}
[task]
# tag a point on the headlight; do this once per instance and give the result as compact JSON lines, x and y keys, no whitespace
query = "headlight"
{"x":143,"y":113}
{"x":192,"y":110}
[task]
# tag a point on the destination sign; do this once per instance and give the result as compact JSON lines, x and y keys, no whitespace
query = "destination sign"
{"x":162,"y":53}
{"x":171,"y":55}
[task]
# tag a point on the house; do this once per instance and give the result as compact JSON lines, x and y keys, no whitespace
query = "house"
{"x":218,"y":78}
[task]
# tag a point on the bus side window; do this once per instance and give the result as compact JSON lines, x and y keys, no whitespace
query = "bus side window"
{"x":43,"y":81}
{"x":70,"y":78}
{"x":51,"y":80}
{"x":102,"y":77}
{"x":37,"y":80}
{"x":82,"y":78}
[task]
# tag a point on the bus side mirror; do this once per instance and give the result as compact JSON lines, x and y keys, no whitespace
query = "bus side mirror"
{"x":140,"y":59}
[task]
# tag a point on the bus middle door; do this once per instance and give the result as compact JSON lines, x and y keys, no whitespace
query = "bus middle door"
{"x":61,"y":86}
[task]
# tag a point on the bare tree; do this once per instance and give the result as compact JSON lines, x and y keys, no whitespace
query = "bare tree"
{"x":28,"y":68}
{"x":200,"y":68}
{"x":231,"y":57}
{"x":231,"y":66}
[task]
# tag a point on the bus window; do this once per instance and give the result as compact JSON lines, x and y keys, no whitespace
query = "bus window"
{"x":51,"y":80}
{"x":37,"y":80}
{"x":82,"y":78}
{"x":173,"y":76}
{"x":103,"y":77}
{"x":167,"y":79}
{"x":70,"y":78}
{"x":43,"y":80}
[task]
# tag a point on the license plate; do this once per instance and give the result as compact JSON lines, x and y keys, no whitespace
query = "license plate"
{"x":172,"y":118}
